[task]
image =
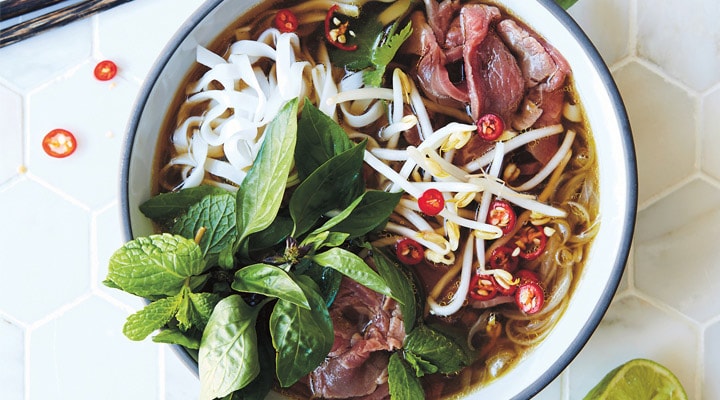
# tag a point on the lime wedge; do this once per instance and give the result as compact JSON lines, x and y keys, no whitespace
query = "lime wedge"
{"x":638,"y":379}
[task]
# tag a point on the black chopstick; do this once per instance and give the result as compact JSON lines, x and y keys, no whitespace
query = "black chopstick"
{"x":15,"y":8}
{"x":63,"y":16}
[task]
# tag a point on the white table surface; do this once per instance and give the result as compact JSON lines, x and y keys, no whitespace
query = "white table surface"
{"x":60,"y":328}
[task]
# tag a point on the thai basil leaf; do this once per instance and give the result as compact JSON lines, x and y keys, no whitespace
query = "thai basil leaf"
{"x":271,"y":281}
{"x":175,"y":336}
{"x":301,"y":337}
{"x":228,"y":355}
{"x":155,"y":265}
{"x":319,"y":139}
{"x":332,"y":222}
{"x":372,"y":213}
{"x":402,"y":382}
{"x":215,"y":213}
{"x":327,"y":279}
{"x":259,"y":388}
{"x":151,"y":318}
{"x":274,"y":234}
{"x":401,"y":286}
{"x":355,"y":268}
{"x":169,"y":205}
{"x":335,"y":184}
{"x":260,"y":195}
{"x":436,"y":348}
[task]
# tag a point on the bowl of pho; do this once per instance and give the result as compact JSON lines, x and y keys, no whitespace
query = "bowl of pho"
{"x":375,"y":199}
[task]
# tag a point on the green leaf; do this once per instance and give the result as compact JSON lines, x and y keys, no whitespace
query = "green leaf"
{"x":402,"y":382}
{"x":301,"y":337}
{"x":383,"y":55}
{"x":175,"y":336}
{"x":332,"y":222}
{"x":436,"y":348}
{"x":270,"y":281}
{"x":274,"y":234}
{"x":355,"y":268}
{"x":373,"y":211}
{"x":169,"y":205}
{"x":335,"y":184}
{"x":327,"y":279}
{"x":421,"y":367}
{"x":368,"y":33}
{"x":260,"y":195}
{"x":195,"y":309}
{"x":215,"y":213}
{"x":151,"y":318}
{"x":259,"y":388}
{"x":228,"y":355}
{"x":565,"y":4}
{"x":319,"y":139}
{"x":155,"y":265}
{"x":401,"y":286}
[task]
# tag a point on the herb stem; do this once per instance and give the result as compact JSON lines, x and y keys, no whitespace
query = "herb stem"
{"x":199,"y":234}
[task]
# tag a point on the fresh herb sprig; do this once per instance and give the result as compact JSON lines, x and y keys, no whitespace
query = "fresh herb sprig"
{"x":181,"y":271}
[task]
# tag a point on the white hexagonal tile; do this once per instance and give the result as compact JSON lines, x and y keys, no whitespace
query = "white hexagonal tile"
{"x":711,"y":385}
{"x":665,"y":146}
{"x":97,"y":117}
{"x":107,"y":238}
{"x":678,"y":34}
{"x":55,"y":269}
{"x":710,"y":134}
{"x":153,"y":21}
{"x":80,"y":354}
{"x":47,"y":55}
{"x":680,"y":267}
{"x":597,"y":18}
{"x":11,"y":128}
{"x":688,"y":204}
{"x":12,"y":354}
{"x":634,"y":328}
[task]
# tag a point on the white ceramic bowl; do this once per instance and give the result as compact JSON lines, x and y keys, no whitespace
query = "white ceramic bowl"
{"x":607,"y":118}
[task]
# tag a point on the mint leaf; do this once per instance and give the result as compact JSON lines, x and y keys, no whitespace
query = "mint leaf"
{"x":319,"y":139}
{"x":368,"y":33}
{"x":151,"y":318}
{"x":421,"y":367}
{"x":228,"y":355}
{"x":195,"y":309}
{"x":402,"y":382}
{"x":434,"y":347}
{"x":261,"y":192}
{"x":383,"y":55}
{"x":169,"y":205}
{"x":355,"y":268}
{"x":155,"y":265}
{"x":270,"y":281}
{"x":215,"y":213}
{"x":302,"y":337}
{"x":175,"y":336}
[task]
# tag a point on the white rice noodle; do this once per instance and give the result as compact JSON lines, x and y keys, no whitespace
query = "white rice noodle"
{"x":514,"y":143}
{"x":249,"y":99}
{"x":459,"y":296}
{"x":551,"y":165}
{"x":365,"y":118}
